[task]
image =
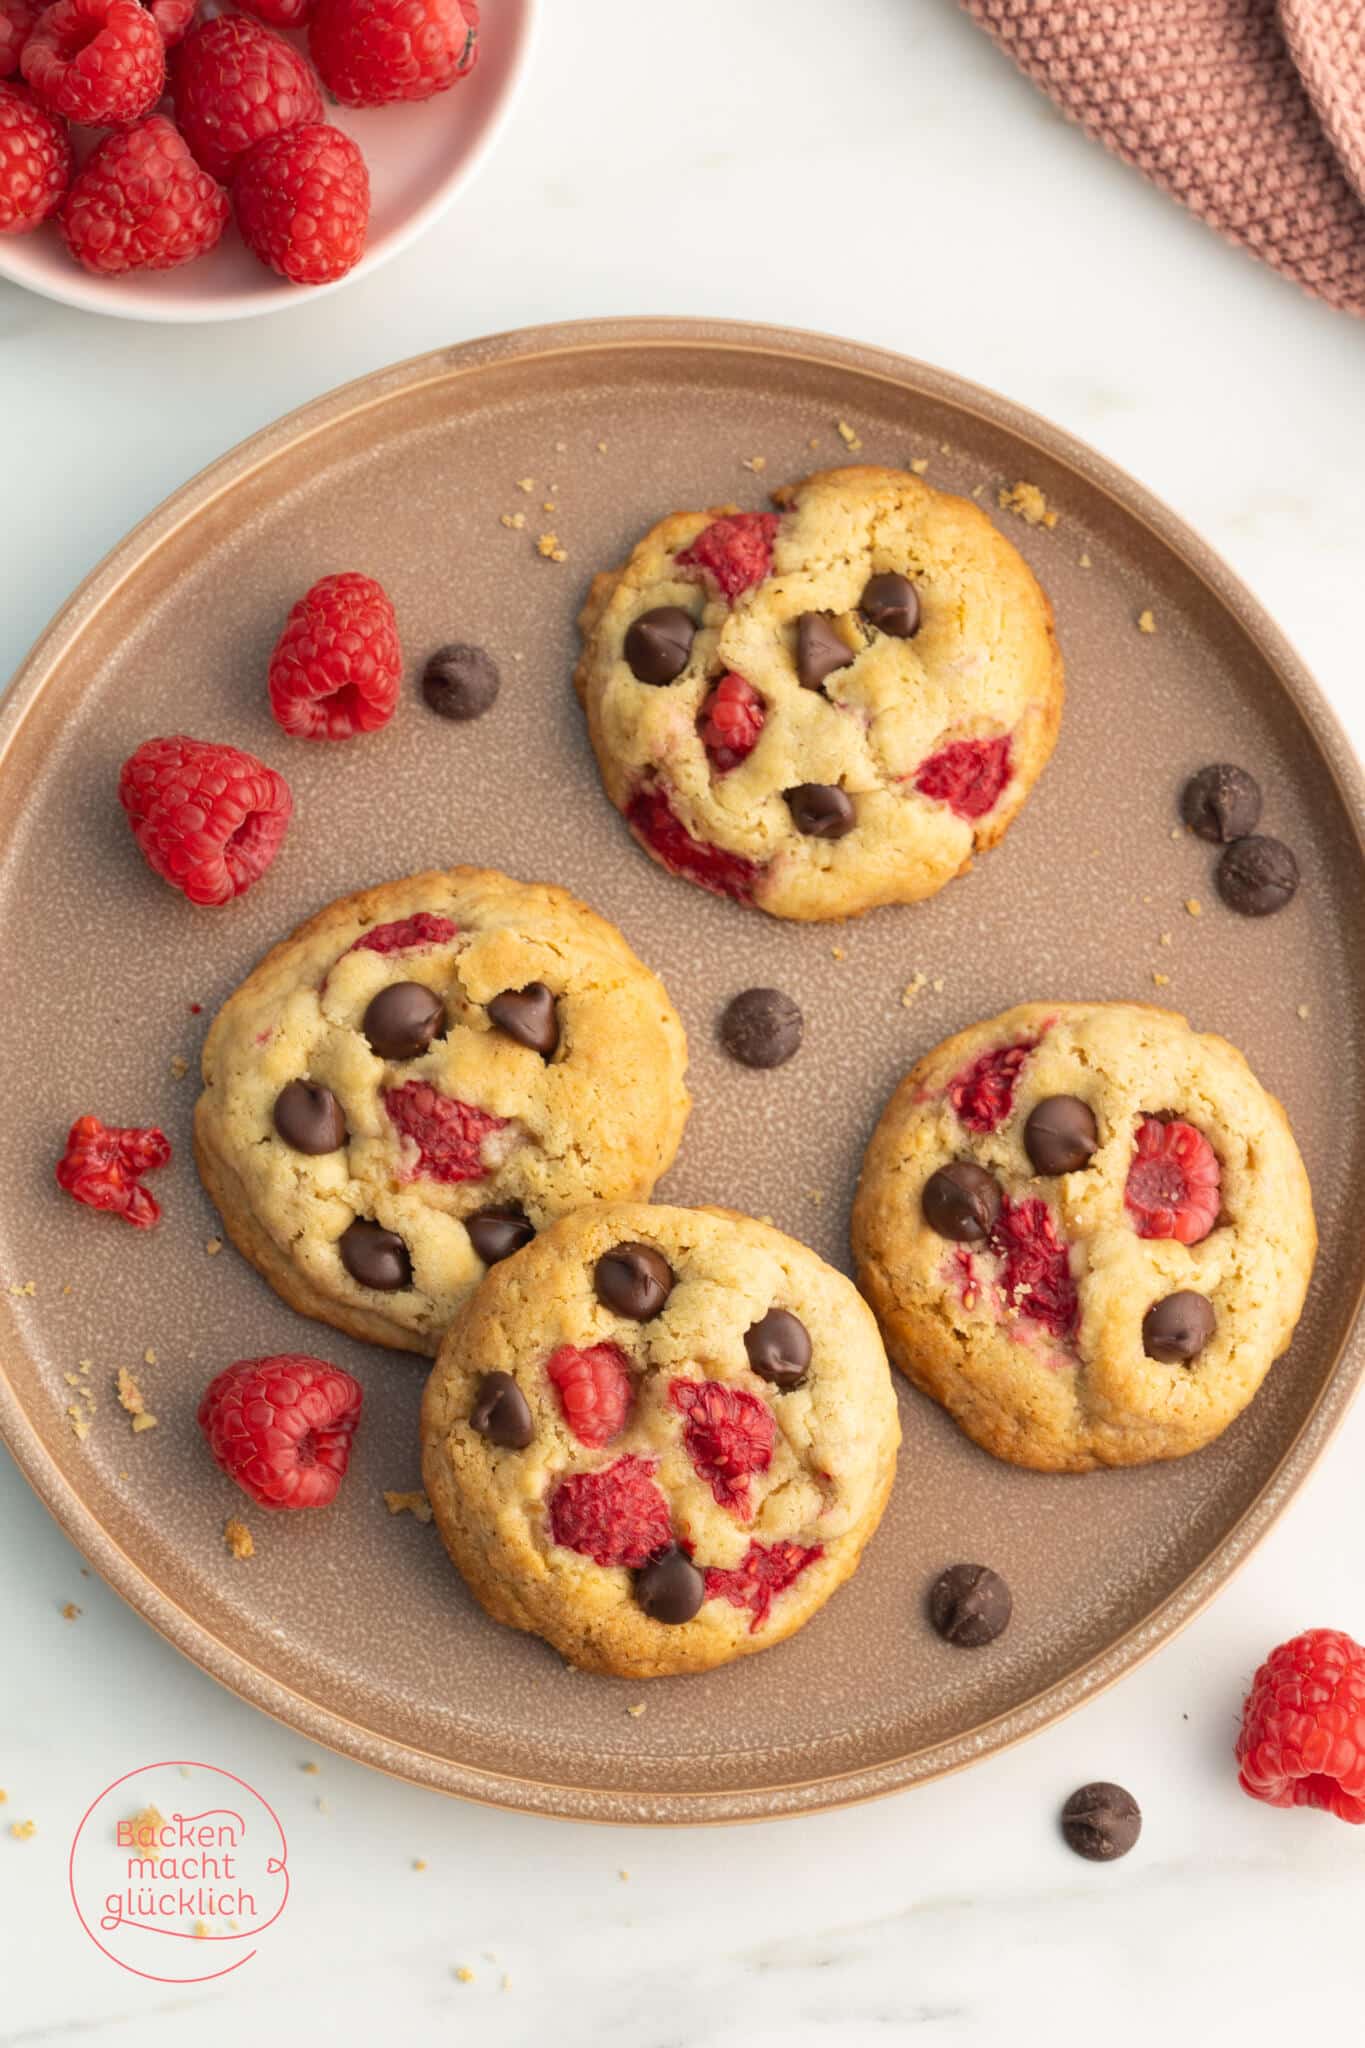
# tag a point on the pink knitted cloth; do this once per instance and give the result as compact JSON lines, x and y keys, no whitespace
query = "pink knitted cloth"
{"x":1251,"y":112}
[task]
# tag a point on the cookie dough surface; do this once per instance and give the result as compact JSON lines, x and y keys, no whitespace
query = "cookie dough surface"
{"x":774,"y":1515}
{"x":1033,"y":1336}
{"x":934,"y":740}
{"x":478,"y":1121}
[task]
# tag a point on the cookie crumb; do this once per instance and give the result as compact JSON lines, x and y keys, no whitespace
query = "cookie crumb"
{"x":1194,"y":906}
{"x":1303,"y":1012}
{"x":548,"y":546}
{"x":514,"y":520}
{"x":977,"y":490}
{"x":4,"y":1795}
{"x":1086,"y":562}
{"x":815,"y":1195}
{"x":180,"y":1066}
{"x":201,"y":1930}
{"x":548,"y":506}
{"x":214,"y":1246}
{"x":506,"y":1984}
{"x":937,"y":984}
{"x":601,"y":447}
{"x":23,"y":1830}
{"x":238,"y":1538}
{"x":322,"y":1805}
{"x":839,"y":952}
{"x":757,"y":463}
{"x":919,"y":463}
{"x":23,"y":1288}
{"x":70,"y":1611}
{"x":561,"y":447}
{"x":1165,"y":938}
{"x":414,"y":1503}
{"x":464,"y":1975}
{"x":636,"y":1711}
{"x":527,"y":484}
{"x":624,"y":1876}
{"x":143,"y":1421}
{"x":419,"y":1862}
{"x":847,"y":435}
{"x":912,"y":988}
{"x":149,"y":1356}
{"x":310,"y":1769}
{"x":814,"y":441}
{"x":1146,"y":621}
{"x":1161,"y":980}
{"x":1028,"y":501}
{"x":146,"y":1826}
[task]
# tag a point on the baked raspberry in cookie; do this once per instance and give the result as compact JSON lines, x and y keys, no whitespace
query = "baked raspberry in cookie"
{"x":827,"y":707}
{"x":659,"y":1438}
{"x":1086,"y":1230}
{"x":420,"y":1078}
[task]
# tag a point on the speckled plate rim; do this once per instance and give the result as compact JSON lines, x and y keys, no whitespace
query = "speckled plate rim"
{"x":310,"y":1718}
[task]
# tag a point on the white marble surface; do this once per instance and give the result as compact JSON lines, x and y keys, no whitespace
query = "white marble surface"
{"x":873,"y":169}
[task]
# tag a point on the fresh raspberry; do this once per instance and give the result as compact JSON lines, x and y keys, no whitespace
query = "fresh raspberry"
{"x":282,"y":1427}
{"x":235,"y":82}
{"x":279,"y":13}
{"x":728,"y":1434}
{"x":595,"y":1390}
{"x":967,"y":775}
{"x":982,"y":1093}
{"x":734,"y":553}
{"x":372,"y":52}
{"x":303,"y":203}
{"x":449,"y":1135}
{"x":35,"y":162}
{"x":141,"y":202}
{"x":172,"y":17}
{"x":765,"y":1570}
{"x":1173,"y":1182}
{"x":1037,"y":1280}
{"x":656,"y":825}
{"x":1303,"y":1726}
{"x":16,"y":19}
{"x":208,"y":819}
{"x":102,"y":1166}
{"x":617,"y":1516}
{"x":101,"y":62}
{"x":405,"y":933}
{"x":337,"y":665}
{"x":730,"y":722}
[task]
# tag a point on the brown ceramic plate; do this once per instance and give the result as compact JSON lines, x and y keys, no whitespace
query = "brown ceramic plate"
{"x":350,"y":1625}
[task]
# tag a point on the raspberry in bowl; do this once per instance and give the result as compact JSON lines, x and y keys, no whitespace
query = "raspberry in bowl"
{"x":418,"y":154}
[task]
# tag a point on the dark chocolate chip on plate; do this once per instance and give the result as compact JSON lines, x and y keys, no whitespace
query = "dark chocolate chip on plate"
{"x":821,"y":810}
{"x":970,"y":1605}
{"x":659,"y":644}
{"x":1257,"y":875}
{"x":403,"y":1019}
{"x":496,"y":1233}
{"x":778,"y":1345}
{"x":670,"y":1588}
{"x":375,"y":1257}
{"x":761,"y":1027}
{"x":890,"y":602}
{"x":961,"y":1201}
{"x":1061,"y":1135}
{"x":460,"y":681}
{"x":1221,"y":802}
{"x":501,"y":1412}
{"x":1176,"y":1328}
{"x":820,"y":649}
{"x":1101,"y":1822}
{"x":633,"y":1280}
{"x":528,"y":1015}
{"x":309,"y":1118}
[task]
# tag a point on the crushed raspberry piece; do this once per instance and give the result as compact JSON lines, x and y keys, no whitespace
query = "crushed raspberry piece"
{"x":615,"y":1517}
{"x":728,"y":1434}
{"x":735,"y":552}
{"x":730,"y":722}
{"x":103,"y":1166}
{"x":967,"y":775}
{"x":595,"y":1390}
{"x":282,"y":1427}
{"x":766,"y":1570}
{"x":449,"y":1135}
{"x":657,"y":825}
{"x":1302,"y":1741}
{"x":1037,"y":1279}
{"x":426,"y":928}
{"x":982,"y":1094}
{"x":1173,"y":1182}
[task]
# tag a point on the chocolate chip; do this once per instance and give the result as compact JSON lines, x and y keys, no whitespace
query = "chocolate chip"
{"x":670,"y":1588}
{"x":1257,"y":875}
{"x":970,"y":1605}
{"x":1101,"y":1822}
{"x":820,"y":649}
{"x":779,"y":1348}
{"x":496,"y":1233}
{"x":659,"y":644}
{"x":761,"y":1027}
{"x":501,"y":1412}
{"x":820,"y":810}
{"x":961,"y":1201}
{"x":309,"y":1118}
{"x":1176,"y":1329}
{"x":633,"y":1280}
{"x":1221,"y":803}
{"x":528,"y":1015}
{"x":1061,"y":1134}
{"x":460,"y":681}
{"x":403,"y":1019}
{"x":375,"y":1257}
{"x":890,"y":602}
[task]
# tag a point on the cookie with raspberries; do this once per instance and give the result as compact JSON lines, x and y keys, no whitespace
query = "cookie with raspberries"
{"x":826,"y":707}
{"x":418,"y":1080}
{"x":659,"y":1438}
{"x":1087,"y":1232}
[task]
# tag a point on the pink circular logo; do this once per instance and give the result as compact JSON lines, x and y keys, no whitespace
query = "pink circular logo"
{"x":177,"y":1870}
